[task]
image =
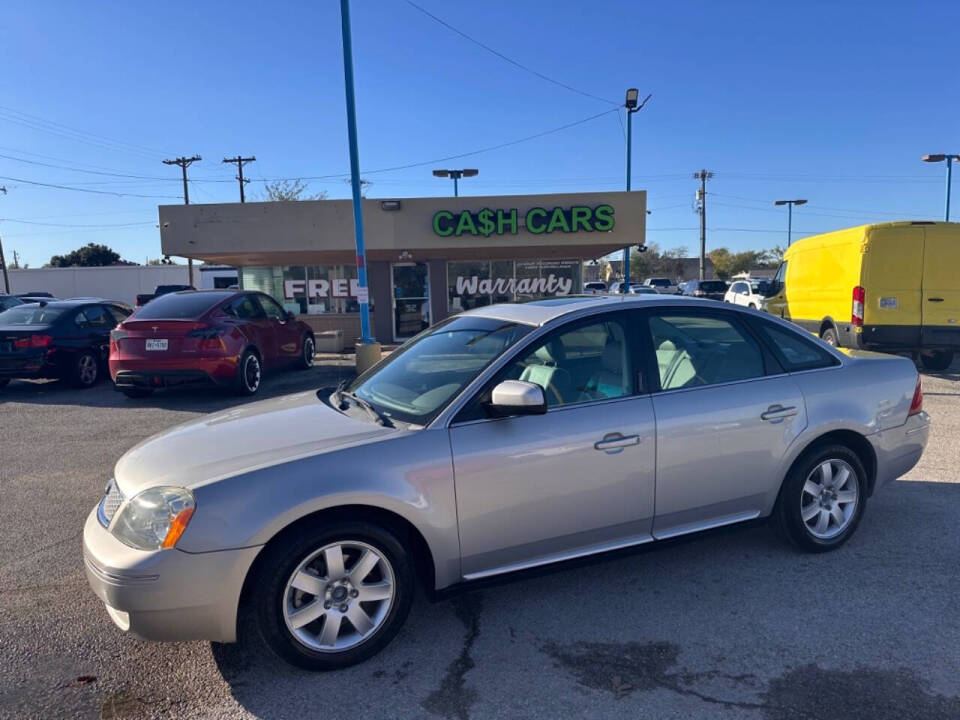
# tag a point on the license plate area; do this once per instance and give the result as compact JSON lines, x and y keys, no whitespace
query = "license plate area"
{"x":157,"y":344}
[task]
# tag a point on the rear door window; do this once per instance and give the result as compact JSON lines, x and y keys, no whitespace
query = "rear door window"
{"x":794,"y":351}
{"x":695,"y":350}
{"x":97,"y":317}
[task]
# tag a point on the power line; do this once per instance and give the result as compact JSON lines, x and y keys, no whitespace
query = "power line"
{"x":86,"y":190}
{"x":510,"y":60}
{"x":38,"y":123}
{"x":69,"y":225}
{"x":99,"y":172}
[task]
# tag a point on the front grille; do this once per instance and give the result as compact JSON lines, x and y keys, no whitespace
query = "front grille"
{"x":112,"y":499}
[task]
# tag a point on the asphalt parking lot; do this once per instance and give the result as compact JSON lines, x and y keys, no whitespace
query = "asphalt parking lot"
{"x":729,"y":625}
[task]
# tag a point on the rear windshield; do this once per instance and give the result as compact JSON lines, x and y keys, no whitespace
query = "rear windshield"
{"x":30,"y":315}
{"x":179,"y":306}
{"x":660,"y":282}
{"x":713,"y":286}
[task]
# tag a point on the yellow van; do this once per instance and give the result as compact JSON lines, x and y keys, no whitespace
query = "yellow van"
{"x":891,"y":286}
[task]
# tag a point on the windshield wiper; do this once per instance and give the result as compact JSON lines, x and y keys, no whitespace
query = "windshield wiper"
{"x":377,"y":416}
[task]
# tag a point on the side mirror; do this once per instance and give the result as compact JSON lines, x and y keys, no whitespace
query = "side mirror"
{"x":517,"y":397}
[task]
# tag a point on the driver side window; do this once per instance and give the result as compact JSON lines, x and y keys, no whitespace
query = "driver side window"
{"x":271,"y":308}
{"x":585,"y":363}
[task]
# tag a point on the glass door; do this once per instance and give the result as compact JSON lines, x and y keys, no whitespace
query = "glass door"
{"x":411,"y":299}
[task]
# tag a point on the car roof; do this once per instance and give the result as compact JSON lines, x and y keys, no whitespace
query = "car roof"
{"x":541,"y":312}
{"x":70,"y":303}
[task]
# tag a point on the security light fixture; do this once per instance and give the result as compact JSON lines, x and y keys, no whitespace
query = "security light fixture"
{"x":633,"y":95}
{"x":789,"y":202}
{"x":389,"y":205}
{"x":936,"y":157}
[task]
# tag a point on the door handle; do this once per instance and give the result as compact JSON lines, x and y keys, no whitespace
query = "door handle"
{"x":775,"y":413}
{"x":616,"y":441}
{"x":934,"y":299}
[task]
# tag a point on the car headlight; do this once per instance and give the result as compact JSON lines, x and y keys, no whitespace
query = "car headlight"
{"x":154,"y":519}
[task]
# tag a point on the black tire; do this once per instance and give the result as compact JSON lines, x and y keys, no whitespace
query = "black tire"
{"x":136,"y":392}
{"x":307,"y":350}
{"x":830,"y":337}
{"x":85,"y":370}
{"x":753,"y":306}
{"x":275,"y":569}
{"x":938,"y":360}
{"x":249,"y":374}
{"x":787,"y":517}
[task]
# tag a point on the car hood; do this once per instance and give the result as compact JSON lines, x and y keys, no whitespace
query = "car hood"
{"x":239,"y":440}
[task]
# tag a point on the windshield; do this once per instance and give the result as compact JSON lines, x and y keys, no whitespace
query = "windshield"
{"x":30,"y":315}
{"x":659,"y":282}
{"x":418,"y":380}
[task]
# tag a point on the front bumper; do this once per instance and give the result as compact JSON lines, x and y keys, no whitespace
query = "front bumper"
{"x":166,"y":595}
{"x":899,"y":449}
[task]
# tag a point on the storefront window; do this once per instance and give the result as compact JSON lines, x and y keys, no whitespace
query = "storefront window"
{"x":477,"y":283}
{"x":307,"y":289}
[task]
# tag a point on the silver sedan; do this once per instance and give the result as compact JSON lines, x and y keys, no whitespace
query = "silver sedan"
{"x":503,"y":438}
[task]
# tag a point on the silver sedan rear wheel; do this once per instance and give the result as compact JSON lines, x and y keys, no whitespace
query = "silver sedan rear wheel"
{"x":829,"y":498}
{"x":339,"y":596}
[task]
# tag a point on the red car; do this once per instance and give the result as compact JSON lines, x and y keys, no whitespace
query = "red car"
{"x":224,"y":337}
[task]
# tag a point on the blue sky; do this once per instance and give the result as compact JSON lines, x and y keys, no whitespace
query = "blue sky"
{"x":833,"y":102}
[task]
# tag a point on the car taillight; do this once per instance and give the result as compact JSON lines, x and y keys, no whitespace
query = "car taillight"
{"x":698,"y":293}
{"x":856,"y":314}
{"x":916,"y":405}
{"x":34,"y":341}
{"x":117,"y":334}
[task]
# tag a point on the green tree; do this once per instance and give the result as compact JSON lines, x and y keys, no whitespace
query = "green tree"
{"x":289,"y":191}
{"x":90,"y":255}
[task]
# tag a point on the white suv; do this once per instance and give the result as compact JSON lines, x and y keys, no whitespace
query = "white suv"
{"x":748,"y":293}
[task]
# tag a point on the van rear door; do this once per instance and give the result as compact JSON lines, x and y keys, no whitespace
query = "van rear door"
{"x":892,"y":277}
{"x":941,"y":285}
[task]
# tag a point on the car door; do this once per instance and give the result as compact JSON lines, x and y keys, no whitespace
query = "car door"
{"x":285,"y":330}
{"x":537,"y":488}
{"x":99,"y":323}
{"x":259,"y":330}
{"x":726,"y":414}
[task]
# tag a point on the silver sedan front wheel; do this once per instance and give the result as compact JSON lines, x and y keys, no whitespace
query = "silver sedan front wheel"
{"x":829,"y":498}
{"x":339,"y":596}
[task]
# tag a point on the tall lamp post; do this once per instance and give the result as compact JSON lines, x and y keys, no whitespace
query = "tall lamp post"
{"x":456,"y":175}
{"x":940,"y":157}
{"x":632,"y":104}
{"x":368,"y":350}
{"x":789,"y":204}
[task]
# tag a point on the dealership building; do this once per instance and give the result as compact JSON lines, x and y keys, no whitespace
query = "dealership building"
{"x":427,"y":258}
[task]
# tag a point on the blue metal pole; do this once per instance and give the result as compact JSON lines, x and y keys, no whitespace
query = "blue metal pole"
{"x":456,"y":190}
{"x":626,"y":251}
{"x":949,"y":174}
{"x":355,"y":172}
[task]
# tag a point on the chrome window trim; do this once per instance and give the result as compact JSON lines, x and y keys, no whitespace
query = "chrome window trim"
{"x":555,"y":409}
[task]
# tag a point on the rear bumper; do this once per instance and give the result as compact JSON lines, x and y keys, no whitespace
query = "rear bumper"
{"x":151,"y":373}
{"x":901,"y":337}
{"x":899,"y":449}
{"x":27,"y":365}
{"x":166,"y":595}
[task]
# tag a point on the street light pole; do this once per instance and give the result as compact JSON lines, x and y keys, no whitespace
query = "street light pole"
{"x":789,"y":204}
{"x":940,"y":157}
{"x":632,"y":105}
{"x":456,"y":175}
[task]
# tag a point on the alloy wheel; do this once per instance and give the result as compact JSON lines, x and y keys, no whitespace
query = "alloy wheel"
{"x":829,"y":498}
{"x":339,"y":596}
{"x":251,"y":373}
{"x":87,"y":369}
{"x":308,"y":351}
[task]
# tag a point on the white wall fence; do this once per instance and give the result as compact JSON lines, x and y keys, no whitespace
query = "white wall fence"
{"x":119,"y":282}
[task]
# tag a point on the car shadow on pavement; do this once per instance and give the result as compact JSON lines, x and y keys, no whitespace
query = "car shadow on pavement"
{"x":730,"y":623}
{"x":199,"y":398}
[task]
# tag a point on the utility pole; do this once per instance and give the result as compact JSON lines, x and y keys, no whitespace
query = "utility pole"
{"x":6,"y":277}
{"x":240,"y":161}
{"x":184,"y":163}
{"x":703,"y":176}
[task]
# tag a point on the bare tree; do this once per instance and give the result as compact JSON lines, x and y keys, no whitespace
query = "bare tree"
{"x":289,"y":191}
